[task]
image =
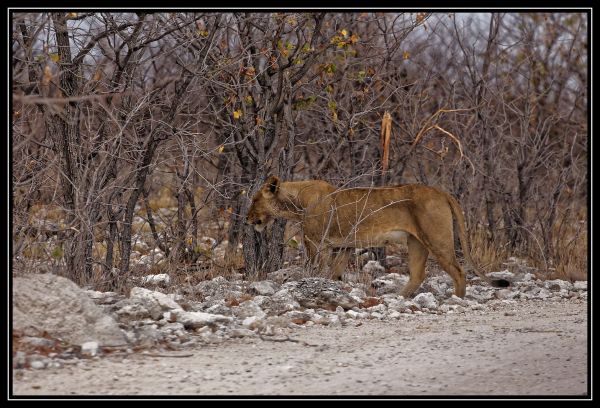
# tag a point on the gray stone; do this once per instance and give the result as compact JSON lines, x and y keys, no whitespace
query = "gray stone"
{"x":377,"y":315}
{"x":38,"y":341}
{"x":219,"y":288}
{"x":507,"y":294}
{"x":241,"y":332}
{"x":506,"y":275}
{"x":528,"y":277}
{"x":358,"y":294}
{"x":455,"y":300}
{"x":132,"y":312}
{"x":389,"y":283}
{"x":558,"y":284}
{"x":335,"y":321}
{"x":299,"y":315}
{"x":427,"y":300}
{"x":155,"y":302}
{"x":394,"y":314}
{"x":264,"y":288}
{"x":104,"y":298}
{"x":247,"y":309}
{"x":57,"y":306}
{"x":193,"y":320}
{"x":321,"y":293}
{"x":252,"y":322}
{"x":161,"y":279}
{"x":219,"y":308}
{"x":380,"y":308}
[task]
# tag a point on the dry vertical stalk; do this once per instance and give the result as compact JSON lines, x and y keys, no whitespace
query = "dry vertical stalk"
{"x":386,"y":131}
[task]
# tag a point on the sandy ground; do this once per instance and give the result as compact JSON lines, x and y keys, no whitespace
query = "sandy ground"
{"x":526,"y":348}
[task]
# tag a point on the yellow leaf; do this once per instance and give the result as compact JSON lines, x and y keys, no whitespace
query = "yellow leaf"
{"x":54,"y":57}
{"x":406,"y":55}
{"x":237,"y":114}
{"x":72,"y":15}
{"x":221,"y":148}
{"x":344,"y":32}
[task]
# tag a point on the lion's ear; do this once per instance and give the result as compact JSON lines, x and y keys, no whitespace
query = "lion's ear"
{"x":272,"y":185}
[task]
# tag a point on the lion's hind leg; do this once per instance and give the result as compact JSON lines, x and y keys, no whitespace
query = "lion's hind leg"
{"x":417,"y":257}
{"x":450,"y":265}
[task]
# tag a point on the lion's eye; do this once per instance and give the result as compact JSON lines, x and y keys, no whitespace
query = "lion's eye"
{"x":259,"y":222}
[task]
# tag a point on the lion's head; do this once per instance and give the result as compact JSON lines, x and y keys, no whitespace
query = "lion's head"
{"x":261,"y":211}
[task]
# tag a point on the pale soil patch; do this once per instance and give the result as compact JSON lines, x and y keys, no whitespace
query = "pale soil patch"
{"x":525,"y":348}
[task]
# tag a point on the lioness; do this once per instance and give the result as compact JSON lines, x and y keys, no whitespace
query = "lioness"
{"x":367,"y":217}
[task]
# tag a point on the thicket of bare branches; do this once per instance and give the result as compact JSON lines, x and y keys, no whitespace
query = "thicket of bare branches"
{"x":145,"y":134}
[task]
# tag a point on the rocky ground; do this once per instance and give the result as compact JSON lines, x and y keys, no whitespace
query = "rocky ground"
{"x":290,"y":335}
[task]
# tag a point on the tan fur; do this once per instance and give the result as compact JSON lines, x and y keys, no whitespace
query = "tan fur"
{"x":367,"y":217}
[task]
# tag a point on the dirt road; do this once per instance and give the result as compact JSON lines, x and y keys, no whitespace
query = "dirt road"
{"x":524,"y":348}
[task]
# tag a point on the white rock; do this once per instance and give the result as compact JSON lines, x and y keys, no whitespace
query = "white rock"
{"x":160,"y":279}
{"x":334,"y":320}
{"x":543,"y":293}
{"x":445,"y":308}
{"x":152,"y":298}
{"x":505,"y":274}
{"x":37,"y":365}
{"x":580,"y":285}
{"x":528,"y":277}
{"x":219,"y":308}
{"x":133,"y":312}
{"x":264,"y":288}
{"x":358,"y":294}
{"x":507,"y":294}
{"x":394,"y":314}
{"x":193,"y":320}
{"x":426,"y":300}
{"x":558,"y":284}
{"x":318,"y":319}
{"x":380,"y":308}
{"x":239,"y":332}
{"x":352,"y":314}
{"x":455,"y":300}
{"x":89,"y":348}
{"x":251,"y":322}
{"x":55,"y":305}
{"x":262,"y":300}
{"x":247,"y":309}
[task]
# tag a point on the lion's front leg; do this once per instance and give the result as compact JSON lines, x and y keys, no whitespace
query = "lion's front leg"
{"x":314,"y":256}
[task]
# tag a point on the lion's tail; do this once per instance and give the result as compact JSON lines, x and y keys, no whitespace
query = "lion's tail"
{"x":464,"y":242}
